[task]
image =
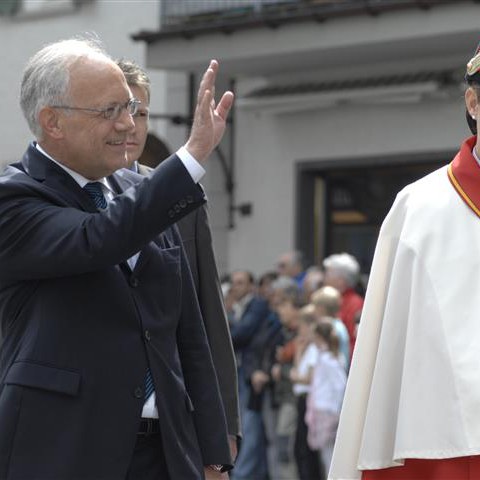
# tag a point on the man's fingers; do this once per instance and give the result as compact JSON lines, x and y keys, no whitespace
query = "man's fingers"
{"x":202,"y":112}
{"x":208,"y":79}
{"x":205,"y":84}
{"x":225,"y":104}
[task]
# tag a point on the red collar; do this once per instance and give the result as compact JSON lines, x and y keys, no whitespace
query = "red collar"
{"x":464,"y":174}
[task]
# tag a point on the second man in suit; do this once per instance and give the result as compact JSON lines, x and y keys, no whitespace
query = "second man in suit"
{"x":197,"y":241}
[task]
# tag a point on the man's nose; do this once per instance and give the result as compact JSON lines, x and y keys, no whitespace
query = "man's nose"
{"x":125,"y":122}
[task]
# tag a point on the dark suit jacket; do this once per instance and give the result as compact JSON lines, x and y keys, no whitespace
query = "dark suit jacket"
{"x":245,"y":329}
{"x":79,"y":328}
{"x":197,"y":240}
{"x":261,"y":356}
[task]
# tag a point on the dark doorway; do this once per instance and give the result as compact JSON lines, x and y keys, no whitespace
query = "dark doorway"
{"x":340,"y":206}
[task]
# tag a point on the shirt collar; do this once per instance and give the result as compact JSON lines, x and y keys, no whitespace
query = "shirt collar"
{"x":240,"y":306}
{"x":80,"y":179}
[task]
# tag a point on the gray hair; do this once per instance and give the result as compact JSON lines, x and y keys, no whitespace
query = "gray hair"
{"x":345,"y":265}
{"x":135,"y":75}
{"x":46,"y":77}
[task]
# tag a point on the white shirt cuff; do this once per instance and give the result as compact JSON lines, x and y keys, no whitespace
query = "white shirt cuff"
{"x":194,"y":168}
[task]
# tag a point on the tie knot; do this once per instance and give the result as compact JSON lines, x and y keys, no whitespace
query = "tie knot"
{"x":95,"y":190}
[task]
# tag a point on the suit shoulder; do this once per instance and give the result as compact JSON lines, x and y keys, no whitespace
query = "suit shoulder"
{"x":259,"y":304}
{"x":13,"y":178}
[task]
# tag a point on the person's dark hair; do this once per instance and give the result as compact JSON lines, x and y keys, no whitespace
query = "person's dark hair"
{"x":293,"y":295}
{"x":249,"y":275}
{"x":267,"y":277}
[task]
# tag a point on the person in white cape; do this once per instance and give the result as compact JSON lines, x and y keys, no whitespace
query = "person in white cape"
{"x":413,"y":394}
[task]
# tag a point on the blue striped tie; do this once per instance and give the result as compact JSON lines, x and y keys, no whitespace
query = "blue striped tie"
{"x":149,"y":387}
{"x":94,"y":189}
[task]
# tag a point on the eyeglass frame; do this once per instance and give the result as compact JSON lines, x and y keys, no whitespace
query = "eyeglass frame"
{"x":131,"y":106}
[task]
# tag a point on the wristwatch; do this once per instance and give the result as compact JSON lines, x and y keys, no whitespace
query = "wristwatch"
{"x":218,"y":468}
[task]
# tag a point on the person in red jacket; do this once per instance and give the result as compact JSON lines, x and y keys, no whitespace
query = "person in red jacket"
{"x":342,"y":272}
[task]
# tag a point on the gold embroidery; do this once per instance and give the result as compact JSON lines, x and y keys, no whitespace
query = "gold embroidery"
{"x":473,"y":66}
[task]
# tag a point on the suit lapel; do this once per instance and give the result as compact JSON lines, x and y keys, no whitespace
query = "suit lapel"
{"x":58,"y":182}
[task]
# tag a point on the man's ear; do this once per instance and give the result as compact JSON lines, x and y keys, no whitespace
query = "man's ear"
{"x":51,"y":122}
{"x":471,"y":102}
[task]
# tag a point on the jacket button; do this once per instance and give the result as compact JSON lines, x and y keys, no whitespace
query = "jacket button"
{"x":138,"y":392}
{"x":183,"y":203}
{"x":147,"y":335}
{"x":171,"y":213}
{"x":189,"y":199}
{"x":177,"y":208}
{"x":133,"y":281}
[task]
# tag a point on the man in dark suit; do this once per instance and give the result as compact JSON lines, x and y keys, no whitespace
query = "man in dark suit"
{"x":197,"y":240}
{"x":105,"y":369}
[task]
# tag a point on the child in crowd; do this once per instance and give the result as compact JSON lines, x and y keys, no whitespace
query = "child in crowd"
{"x":326,"y":392}
{"x":308,"y":461}
{"x":327,"y":301}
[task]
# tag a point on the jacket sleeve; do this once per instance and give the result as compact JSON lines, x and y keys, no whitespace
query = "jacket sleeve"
{"x":42,"y":236}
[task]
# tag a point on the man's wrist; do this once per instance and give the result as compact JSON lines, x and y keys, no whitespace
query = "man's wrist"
{"x":193,"y":166}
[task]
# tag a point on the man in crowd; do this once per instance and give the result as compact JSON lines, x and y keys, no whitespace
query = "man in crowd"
{"x":105,"y":366}
{"x":291,"y":264}
{"x":249,"y":312}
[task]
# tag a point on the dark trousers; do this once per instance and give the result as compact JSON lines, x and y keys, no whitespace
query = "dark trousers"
{"x":148,"y":461}
{"x":308,"y":461}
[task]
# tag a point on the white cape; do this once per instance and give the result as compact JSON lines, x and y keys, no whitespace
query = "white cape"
{"x":414,"y":386}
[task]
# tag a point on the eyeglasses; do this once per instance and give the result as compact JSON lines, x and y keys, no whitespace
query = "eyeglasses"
{"x":110,"y":113}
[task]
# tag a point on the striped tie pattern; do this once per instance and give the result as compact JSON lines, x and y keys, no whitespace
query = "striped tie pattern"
{"x":149,"y":387}
{"x":94,"y":189}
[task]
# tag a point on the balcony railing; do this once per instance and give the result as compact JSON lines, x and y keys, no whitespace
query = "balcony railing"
{"x":198,"y":14}
{"x":195,"y":12}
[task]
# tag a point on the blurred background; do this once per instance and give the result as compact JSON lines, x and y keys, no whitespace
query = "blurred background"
{"x":339,"y":104}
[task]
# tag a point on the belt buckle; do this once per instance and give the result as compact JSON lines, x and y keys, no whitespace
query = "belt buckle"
{"x":149,"y":426}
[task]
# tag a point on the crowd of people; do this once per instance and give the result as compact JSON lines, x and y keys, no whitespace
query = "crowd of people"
{"x":293,"y":331}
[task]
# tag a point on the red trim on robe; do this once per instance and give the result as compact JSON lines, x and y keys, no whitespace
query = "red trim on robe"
{"x":464,"y":175}
{"x":462,"y":468}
